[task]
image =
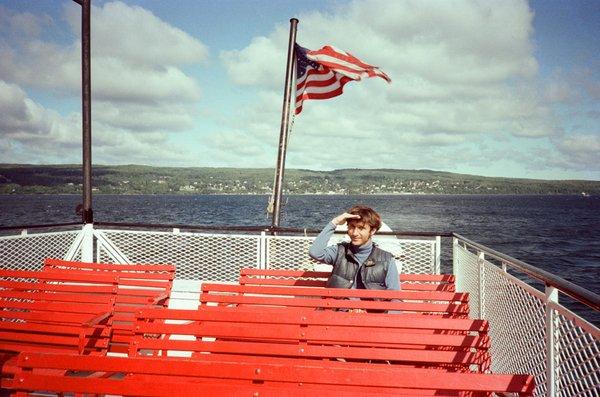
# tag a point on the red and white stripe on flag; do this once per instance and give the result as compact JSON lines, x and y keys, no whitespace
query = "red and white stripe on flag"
{"x":322,"y":74}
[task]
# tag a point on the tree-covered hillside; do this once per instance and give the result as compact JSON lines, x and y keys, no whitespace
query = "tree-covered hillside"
{"x":137,"y":179}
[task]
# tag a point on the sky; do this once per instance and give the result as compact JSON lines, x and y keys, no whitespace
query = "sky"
{"x":496,"y":88}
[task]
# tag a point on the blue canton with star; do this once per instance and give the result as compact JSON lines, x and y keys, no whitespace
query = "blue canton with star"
{"x":302,"y":62}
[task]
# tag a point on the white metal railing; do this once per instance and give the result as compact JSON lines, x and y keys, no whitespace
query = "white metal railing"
{"x":198,"y":256}
{"x":27,"y":250}
{"x":219,"y":257}
{"x":531,"y":331}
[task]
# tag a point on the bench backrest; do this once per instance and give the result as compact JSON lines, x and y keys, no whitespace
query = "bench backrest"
{"x":152,"y":282}
{"x":429,"y":302}
{"x":39,"y":311}
{"x":221,"y":330}
{"x":139,"y":286}
{"x":308,"y":278}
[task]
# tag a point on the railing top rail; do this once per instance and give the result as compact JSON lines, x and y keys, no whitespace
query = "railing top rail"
{"x":259,"y":228}
{"x":182,"y":226}
{"x":576,"y":292}
{"x":41,"y":226}
{"x":267,"y":229}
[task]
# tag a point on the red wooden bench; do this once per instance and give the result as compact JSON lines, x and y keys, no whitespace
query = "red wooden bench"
{"x":139,"y":286}
{"x":222,"y":376}
{"x":48,"y":312}
{"x":416,"y":302}
{"x":308,"y":278}
{"x":316,"y":335}
{"x":32,"y":299}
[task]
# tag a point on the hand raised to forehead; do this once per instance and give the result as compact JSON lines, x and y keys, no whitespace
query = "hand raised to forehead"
{"x":343,"y":218}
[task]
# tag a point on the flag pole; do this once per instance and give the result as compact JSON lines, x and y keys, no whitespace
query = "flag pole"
{"x":86,"y":112}
{"x":285,"y":120}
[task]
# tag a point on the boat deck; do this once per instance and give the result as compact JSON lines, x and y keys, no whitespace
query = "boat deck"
{"x":237,"y":322}
{"x":256,"y":337}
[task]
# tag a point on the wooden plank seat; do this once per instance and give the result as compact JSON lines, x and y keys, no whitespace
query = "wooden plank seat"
{"x":450,"y":304}
{"x":316,"y":335}
{"x":139,"y":286}
{"x":46,"y":312}
{"x":308,"y":278}
{"x":31,"y":300}
{"x":225,"y":376}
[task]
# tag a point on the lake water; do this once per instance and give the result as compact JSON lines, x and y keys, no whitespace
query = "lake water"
{"x":560,"y":234}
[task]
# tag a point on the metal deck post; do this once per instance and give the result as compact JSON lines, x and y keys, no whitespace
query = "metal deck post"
{"x":551,"y":341}
{"x":438,"y":255}
{"x":87,"y":243}
{"x":480,"y":281}
{"x":455,"y":269}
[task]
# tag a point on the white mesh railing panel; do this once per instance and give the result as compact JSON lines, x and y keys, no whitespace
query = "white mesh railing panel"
{"x":289,"y":253}
{"x":196,"y":256}
{"x":413,"y":256}
{"x":28,"y":251}
{"x":519,"y":317}
{"x":578,"y":358}
{"x":466,"y":270}
{"x":516,"y":313}
{"x":418,"y":256}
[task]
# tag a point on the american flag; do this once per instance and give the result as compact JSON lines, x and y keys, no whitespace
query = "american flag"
{"x":322,"y":74}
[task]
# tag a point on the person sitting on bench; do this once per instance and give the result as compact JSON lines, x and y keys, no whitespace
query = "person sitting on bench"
{"x":359,"y":264}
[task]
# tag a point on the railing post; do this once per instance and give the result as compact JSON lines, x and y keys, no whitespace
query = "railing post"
{"x":551,"y":342}
{"x":87,"y":244}
{"x":480,"y":281}
{"x":438,"y":255}
{"x":262,"y":251}
{"x":455,"y":267}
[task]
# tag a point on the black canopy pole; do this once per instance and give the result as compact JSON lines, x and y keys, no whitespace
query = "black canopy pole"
{"x":285,"y":120}
{"x":86,"y":88}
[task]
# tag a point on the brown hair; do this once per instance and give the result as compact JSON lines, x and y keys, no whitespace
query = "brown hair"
{"x":367,"y":215}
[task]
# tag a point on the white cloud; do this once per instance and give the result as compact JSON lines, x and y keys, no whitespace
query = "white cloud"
{"x":558,"y":90}
{"x":465,"y":89}
{"x":261,"y":63}
{"x":141,"y":92}
{"x":136,"y":58}
{"x":460,"y":70}
{"x":580,"y":151}
{"x":136,"y":36}
{"x":22,"y":118}
{"x":30,"y":133}
{"x":21,"y":25}
{"x":141,"y":117}
{"x":139,"y":85}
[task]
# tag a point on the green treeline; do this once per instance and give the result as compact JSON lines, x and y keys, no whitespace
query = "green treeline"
{"x":137,"y":179}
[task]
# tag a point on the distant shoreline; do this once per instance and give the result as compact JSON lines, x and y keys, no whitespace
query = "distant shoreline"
{"x":301,"y":194}
{"x":138,"y":180}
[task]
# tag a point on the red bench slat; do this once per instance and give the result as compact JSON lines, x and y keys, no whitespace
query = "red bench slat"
{"x":211,"y":294}
{"x":308,"y":278}
{"x":139,"y":286}
{"x":315,"y":335}
{"x":187,"y":377}
{"x":339,"y":292}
